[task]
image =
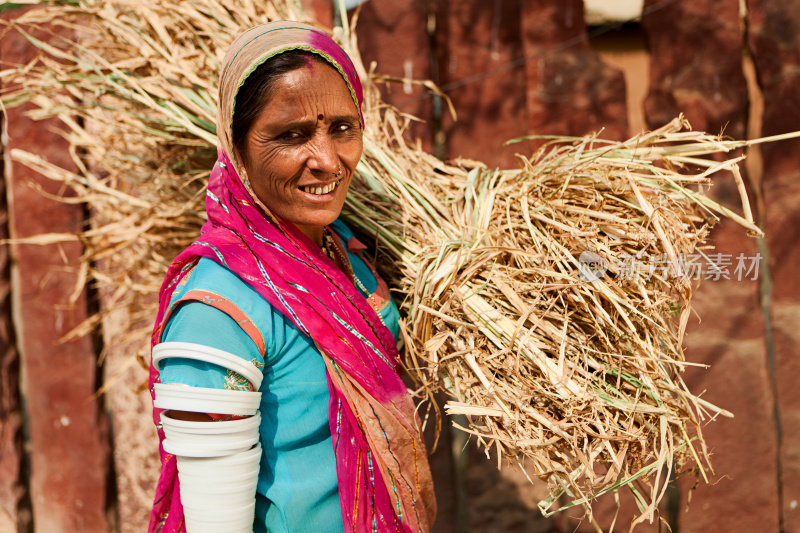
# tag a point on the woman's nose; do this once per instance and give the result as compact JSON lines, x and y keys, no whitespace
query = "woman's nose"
{"x":323,"y":157}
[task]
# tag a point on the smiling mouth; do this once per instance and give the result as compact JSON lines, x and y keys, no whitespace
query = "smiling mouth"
{"x":325,"y":189}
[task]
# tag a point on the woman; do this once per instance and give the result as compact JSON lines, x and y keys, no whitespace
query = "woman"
{"x":276,"y":279}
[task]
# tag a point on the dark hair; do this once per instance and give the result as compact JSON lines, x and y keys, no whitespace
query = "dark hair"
{"x":257,"y":89}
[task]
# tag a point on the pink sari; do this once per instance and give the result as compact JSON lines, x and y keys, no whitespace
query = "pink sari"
{"x":381,"y":461}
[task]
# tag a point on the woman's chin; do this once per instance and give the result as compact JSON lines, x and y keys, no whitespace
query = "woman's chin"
{"x":321,"y":214}
{"x":306,"y":215}
{"x":316,"y":222}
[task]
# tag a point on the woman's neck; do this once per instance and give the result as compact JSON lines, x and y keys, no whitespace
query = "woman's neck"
{"x":313,"y":232}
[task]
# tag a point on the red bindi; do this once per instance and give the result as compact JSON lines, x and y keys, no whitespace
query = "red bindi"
{"x":320,"y":116}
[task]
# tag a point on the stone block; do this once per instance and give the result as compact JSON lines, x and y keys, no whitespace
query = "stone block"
{"x":135,"y":453}
{"x":696,"y":65}
{"x":785,"y":341}
{"x":504,"y":500}
{"x":706,"y":82}
{"x":13,"y":486}
{"x":774,"y":38}
{"x":66,"y":426}
{"x":728,"y":335}
{"x":570,"y":91}
{"x":479,"y":48}
{"x":393,"y":34}
{"x":320,"y":11}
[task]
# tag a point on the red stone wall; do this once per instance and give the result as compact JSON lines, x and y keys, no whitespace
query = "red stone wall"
{"x":14,"y":507}
{"x":569,"y":90}
{"x":477,"y":43}
{"x":394,"y":37}
{"x":696,"y":53}
{"x":319,"y":10}
{"x":729,"y":335}
{"x":511,"y":68}
{"x":66,"y":430}
{"x":486,"y":60}
{"x":696,"y":64}
{"x":774,"y":36}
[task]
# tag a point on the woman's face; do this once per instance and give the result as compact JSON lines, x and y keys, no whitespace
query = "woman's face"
{"x":303,"y":147}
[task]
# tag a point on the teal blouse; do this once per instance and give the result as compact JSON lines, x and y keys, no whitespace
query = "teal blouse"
{"x":297,"y":486}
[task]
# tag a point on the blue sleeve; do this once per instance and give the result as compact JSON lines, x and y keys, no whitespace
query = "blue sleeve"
{"x":199,"y":323}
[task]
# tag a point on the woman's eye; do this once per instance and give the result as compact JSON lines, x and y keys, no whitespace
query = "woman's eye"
{"x":290,"y":136}
{"x":342,"y":127}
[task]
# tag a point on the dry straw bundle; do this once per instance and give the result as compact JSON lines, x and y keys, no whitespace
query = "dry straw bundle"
{"x":515,"y":284}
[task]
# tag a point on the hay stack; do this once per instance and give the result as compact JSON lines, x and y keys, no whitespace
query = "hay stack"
{"x":513,"y":282}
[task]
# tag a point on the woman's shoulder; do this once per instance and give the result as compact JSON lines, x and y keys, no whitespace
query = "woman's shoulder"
{"x":216,"y":286}
{"x":209,"y":277}
{"x":209,"y":273}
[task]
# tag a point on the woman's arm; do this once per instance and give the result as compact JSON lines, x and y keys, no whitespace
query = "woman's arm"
{"x":201,"y":471}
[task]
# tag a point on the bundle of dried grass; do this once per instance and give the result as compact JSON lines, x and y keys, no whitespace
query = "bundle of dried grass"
{"x":551,"y":300}
{"x":513,"y":283}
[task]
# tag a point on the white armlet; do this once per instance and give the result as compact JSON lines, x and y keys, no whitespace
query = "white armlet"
{"x":218,"y":465}
{"x":209,"y":439}
{"x":199,"y":352}
{"x":179,"y":397}
{"x":219,"y":494}
{"x":218,"y":462}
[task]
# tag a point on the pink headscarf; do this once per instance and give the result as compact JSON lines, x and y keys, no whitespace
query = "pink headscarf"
{"x":381,"y":464}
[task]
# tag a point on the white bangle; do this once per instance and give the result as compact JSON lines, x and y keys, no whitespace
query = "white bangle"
{"x":209,"y":439}
{"x":218,"y":466}
{"x":199,"y":352}
{"x":179,"y":397}
{"x":219,"y":494}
